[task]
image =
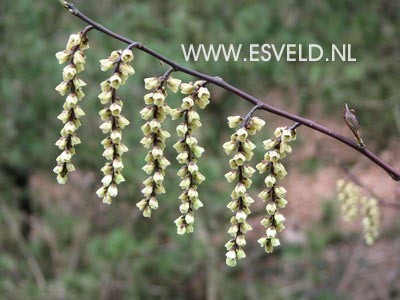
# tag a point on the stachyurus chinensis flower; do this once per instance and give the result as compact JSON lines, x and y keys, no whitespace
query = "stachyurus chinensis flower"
{"x":189,"y":151}
{"x":113,"y":122}
{"x":273,"y":195}
{"x":154,"y":114}
{"x":242,"y":148}
{"x":72,"y":112}
{"x":350,"y":198}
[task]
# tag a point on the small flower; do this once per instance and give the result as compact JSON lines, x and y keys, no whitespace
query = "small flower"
{"x":127,"y":56}
{"x":173,"y":84}
{"x":187,"y":88}
{"x":106,"y":64}
{"x":234,"y":121}
{"x":151,"y":83}
{"x":203,"y":97}
{"x":69,"y":72}
{"x":115,"y":81}
{"x":73,"y":41}
{"x":63,"y":56}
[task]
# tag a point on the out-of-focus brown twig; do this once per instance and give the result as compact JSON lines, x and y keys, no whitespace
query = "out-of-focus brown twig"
{"x":368,"y":190}
{"x":12,"y":224}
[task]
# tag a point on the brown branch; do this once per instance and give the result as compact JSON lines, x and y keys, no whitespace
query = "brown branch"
{"x":221,"y":83}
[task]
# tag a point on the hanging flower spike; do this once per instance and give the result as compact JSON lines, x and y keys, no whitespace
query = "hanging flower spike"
{"x":273,"y":195}
{"x":240,"y":173}
{"x":189,"y":151}
{"x":113,"y":122}
{"x":72,"y":112}
{"x":371,"y":220}
{"x":349,"y":196}
{"x":154,"y":139}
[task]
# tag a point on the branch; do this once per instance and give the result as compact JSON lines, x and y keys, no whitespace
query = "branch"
{"x":242,"y":94}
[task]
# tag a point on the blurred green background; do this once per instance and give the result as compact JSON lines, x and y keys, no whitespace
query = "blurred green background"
{"x":61,"y":242}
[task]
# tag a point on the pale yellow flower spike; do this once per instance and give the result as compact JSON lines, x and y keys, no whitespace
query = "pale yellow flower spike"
{"x":113,"y":122}
{"x":189,"y":151}
{"x":154,"y":139}
{"x":241,"y":173}
{"x":273,"y":195}
{"x":72,"y":112}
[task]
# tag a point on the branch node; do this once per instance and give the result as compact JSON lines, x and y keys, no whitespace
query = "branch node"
{"x":167,"y":74}
{"x":134,"y":45}
{"x":250,"y":114}
{"x":295,"y":126}
{"x":87,"y":29}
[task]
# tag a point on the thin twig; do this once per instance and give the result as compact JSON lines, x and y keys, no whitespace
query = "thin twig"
{"x":371,"y":193}
{"x":295,"y":126}
{"x":16,"y":233}
{"x":221,"y":83}
{"x":351,"y":267}
{"x":250,"y":114}
{"x":167,"y":74}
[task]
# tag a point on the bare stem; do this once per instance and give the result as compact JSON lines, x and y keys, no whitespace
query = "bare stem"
{"x":242,"y":94}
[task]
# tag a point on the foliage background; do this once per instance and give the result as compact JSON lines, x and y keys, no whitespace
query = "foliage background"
{"x":80,"y":249}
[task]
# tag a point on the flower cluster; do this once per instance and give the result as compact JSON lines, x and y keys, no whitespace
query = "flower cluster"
{"x":72,"y":112}
{"x":241,"y":172}
{"x":370,"y":220}
{"x":154,"y":114}
{"x":273,"y":194}
{"x":189,"y":151}
{"x":349,"y":196}
{"x":113,"y":122}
